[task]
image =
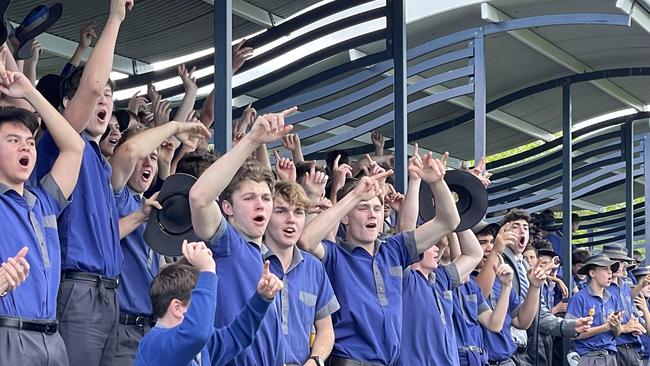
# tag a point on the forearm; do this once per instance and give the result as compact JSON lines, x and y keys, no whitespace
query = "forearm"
{"x":594,"y":331}
{"x":446,"y":211}
{"x":408,"y":215}
{"x":263,"y":156}
{"x":296,"y":154}
{"x":129,"y":223}
{"x":468,"y":249}
{"x":30,"y":70}
{"x":454,"y":246}
{"x":487,"y":275}
{"x":498,"y":316}
{"x":184,"y":110}
{"x":65,"y":137}
{"x":319,"y":227}
{"x":99,"y":65}
{"x":207,"y":110}
{"x":528,"y":309}
{"x":75,"y":60}
{"x":323,"y":343}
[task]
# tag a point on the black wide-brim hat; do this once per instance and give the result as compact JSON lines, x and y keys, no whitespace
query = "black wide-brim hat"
{"x":167,"y":228}
{"x":598,"y":260}
{"x":547,"y":253}
{"x":472,"y":199}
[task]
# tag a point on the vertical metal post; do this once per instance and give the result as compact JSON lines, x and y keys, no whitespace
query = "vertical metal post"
{"x":397,"y":42}
{"x":628,"y":156}
{"x":479,"y":96}
{"x":646,"y":190}
{"x":222,"y":75}
{"x":567,"y":189}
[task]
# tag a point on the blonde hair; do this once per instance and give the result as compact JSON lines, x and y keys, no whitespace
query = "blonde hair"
{"x":292,"y":193}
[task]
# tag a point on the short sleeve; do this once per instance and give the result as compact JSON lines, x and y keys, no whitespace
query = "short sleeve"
{"x":403,"y":245}
{"x":53,"y":194}
{"x":326,"y":304}
{"x":575,"y":308}
{"x":226,"y":240}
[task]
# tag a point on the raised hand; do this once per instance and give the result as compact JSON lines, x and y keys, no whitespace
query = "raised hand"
{"x":341,"y":171}
{"x":504,"y":274}
{"x":479,"y":172}
{"x":161,"y":112}
{"x":189,"y":81}
{"x":315,"y":181}
{"x":378,"y":141}
{"x":285,"y":168}
{"x":270,"y":127}
{"x":15,"y":84}
{"x":14,"y":271}
{"x":190,"y":133}
{"x":240,"y":55}
{"x":536,"y":276}
{"x":119,"y":8}
{"x":291,"y":142}
{"x":504,"y":237}
{"x":369,"y":187}
{"x":199,"y":255}
{"x":269,"y":284}
{"x":641,"y":303}
{"x":394,"y":199}
{"x":415,"y":164}
{"x":87,"y":34}
{"x":137,"y":103}
{"x":149,"y":204}
{"x":433,"y":170}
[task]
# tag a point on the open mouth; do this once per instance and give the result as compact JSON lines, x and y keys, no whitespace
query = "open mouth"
{"x":24,"y":162}
{"x":259,"y":219}
{"x":101,"y":115}
{"x":522,"y":241}
{"x":371,"y":225}
{"x":289,"y":230}
{"x":112,"y":141}
{"x":146,"y":175}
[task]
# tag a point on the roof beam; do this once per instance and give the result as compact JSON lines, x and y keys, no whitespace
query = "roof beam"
{"x":637,"y":11}
{"x":535,"y":41}
{"x":65,"y":48}
{"x":252,"y":13}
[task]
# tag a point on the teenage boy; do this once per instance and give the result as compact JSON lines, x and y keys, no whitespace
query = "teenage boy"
{"x":245,"y":194}
{"x":578,"y":258}
{"x":28,"y":327}
{"x":628,"y":343}
{"x":307,"y":296}
{"x":597,"y":346}
{"x":367,"y":274}
{"x":90,"y":247}
{"x":184,"y":302}
{"x":134,"y":166}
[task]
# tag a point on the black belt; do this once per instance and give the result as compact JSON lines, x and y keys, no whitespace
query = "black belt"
{"x":522,"y":349}
{"x":502,"y":362}
{"x":627,"y":345}
{"x":141,"y":321}
{"x":47,"y":327}
{"x":102,"y":283}
{"x":600,"y":352}
{"x":339,"y":361}
{"x":476,"y":349}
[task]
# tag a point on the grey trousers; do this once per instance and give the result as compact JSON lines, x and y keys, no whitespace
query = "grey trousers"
{"x":25,"y":347}
{"x":628,"y":357}
{"x":521,"y":359}
{"x":598,"y":360}
{"x":128,"y":338}
{"x":87,"y":323}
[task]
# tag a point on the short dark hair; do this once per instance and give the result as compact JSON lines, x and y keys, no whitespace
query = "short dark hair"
{"x":195,"y":163}
{"x":175,"y":281}
{"x":19,"y":116}
{"x":514,"y":215}
{"x":70,"y":84}
{"x":580,"y":256}
{"x":542,"y":244}
{"x":250,"y":170}
{"x":304,"y":167}
{"x":575,"y":217}
{"x":331,"y":156}
{"x":530,"y":247}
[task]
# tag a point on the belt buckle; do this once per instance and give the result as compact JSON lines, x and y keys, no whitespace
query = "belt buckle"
{"x":50,"y":328}
{"x":140,"y":321}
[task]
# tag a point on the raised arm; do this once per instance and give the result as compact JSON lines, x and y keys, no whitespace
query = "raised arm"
{"x":447,"y":218}
{"x":206,"y":215}
{"x":493,"y":320}
{"x":138,"y":147}
{"x":189,"y":84}
{"x":86,"y":36}
{"x":32,"y":62}
{"x":97,"y":69}
{"x":485,"y":278}
{"x":470,"y":252}
{"x":408,"y":216}
{"x":528,"y":309}
{"x":291,"y":142}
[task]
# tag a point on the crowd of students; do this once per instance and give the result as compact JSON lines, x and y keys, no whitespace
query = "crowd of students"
{"x":296,"y":264}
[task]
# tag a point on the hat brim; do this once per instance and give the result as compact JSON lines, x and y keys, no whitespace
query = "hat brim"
{"x":26,"y":38}
{"x":547,"y":253}
{"x":618,"y":257}
{"x":484,"y":225}
{"x":155,"y":235}
{"x":614,"y":266}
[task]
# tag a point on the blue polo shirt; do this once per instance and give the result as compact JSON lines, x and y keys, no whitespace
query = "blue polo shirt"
{"x":307,"y":296}
{"x":239,"y":266}
{"x":579,"y":306}
{"x":141,"y":263}
{"x":89,"y":227}
{"x":622,"y":299}
{"x":427,"y":325}
{"x":30,"y":220}
{"x":368,"y":327}
{"x":500,"y":345}
{"x":645,"y":341}
{"x":469,"y":303}
{"x":196,"y":338}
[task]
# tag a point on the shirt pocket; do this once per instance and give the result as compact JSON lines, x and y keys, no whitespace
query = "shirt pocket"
{"x":307,"y":298}
{"x":397,"y":271}
{"x":470,"y":303}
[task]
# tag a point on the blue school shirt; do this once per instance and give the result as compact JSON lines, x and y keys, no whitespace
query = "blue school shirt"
{"x":141,"y":263}
{"x":306,"y":296}
{"x":500,"y":345}
{"x":368,"y":327}
{"x":196,"y":337}
{"x":239,"y":266}
{"x":469,"y":303}
{"x":30,"y":220}
{"x":579,"y":306}
{"x":89,"y":227}
{"x":645,"y":341}
{"x":622,"y":299}
{"x":427,"y":325}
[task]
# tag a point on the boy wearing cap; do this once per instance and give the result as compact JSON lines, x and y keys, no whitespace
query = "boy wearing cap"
{"x":28,"y":327}
{"x":628,"y":343}
{"x":91,"y":255}
{"x":134,"y":166}
{"x":307,"y":298}
{"x":184,"y":301}
{"x":597,"y":345}
{"x":366,"y":273}
{"x":245,"y":192}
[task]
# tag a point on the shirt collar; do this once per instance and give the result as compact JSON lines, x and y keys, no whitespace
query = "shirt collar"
{"x":350,"y":247}
{"x":29,"y":197}
{"x":296,"y":258}
{"x":593,"y":294}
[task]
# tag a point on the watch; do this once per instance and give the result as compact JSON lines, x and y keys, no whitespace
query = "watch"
{"x":319,"y":361}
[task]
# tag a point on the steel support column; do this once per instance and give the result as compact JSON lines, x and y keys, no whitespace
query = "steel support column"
{"x":222,"y":76}
{"x":479,"y":96}
{"x":567,"y":190}
{"x":397,"y":48}
{"x":628,"y":156}
{"x":646,"y":190}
